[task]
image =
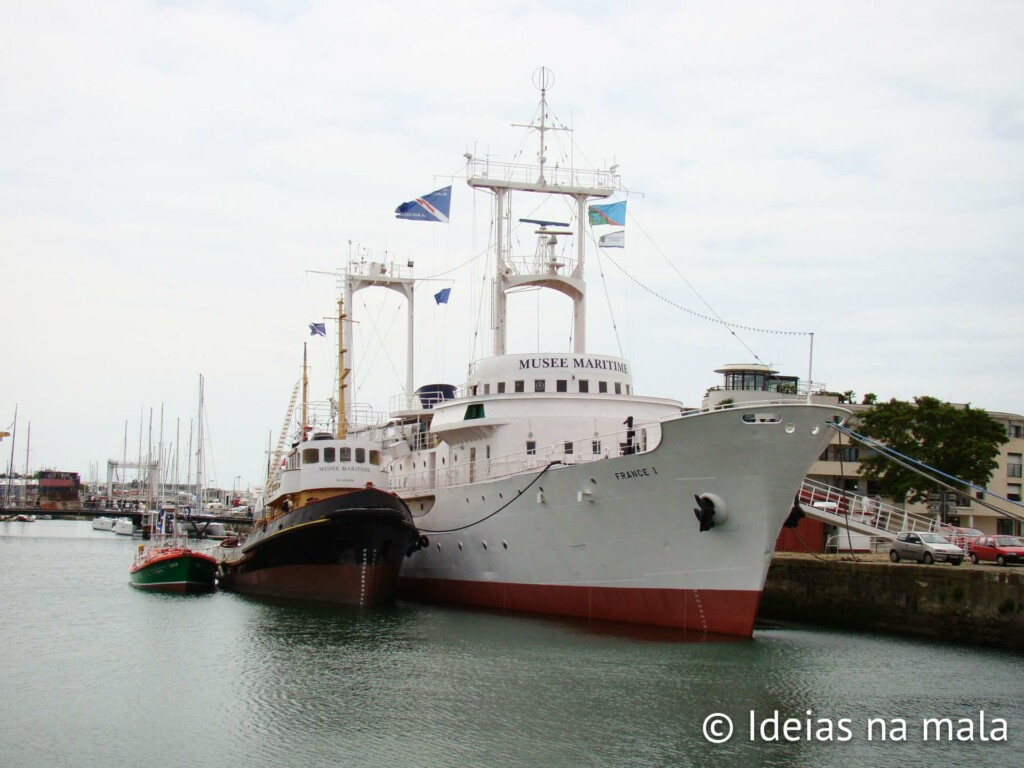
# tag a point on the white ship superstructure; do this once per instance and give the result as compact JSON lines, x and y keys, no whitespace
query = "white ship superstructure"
{"x":545,"y":483}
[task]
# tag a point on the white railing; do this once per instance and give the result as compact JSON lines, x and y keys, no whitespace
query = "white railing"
{"x":873,"y":513}
{"x":645,"y":438}
{"x":480,"y":170}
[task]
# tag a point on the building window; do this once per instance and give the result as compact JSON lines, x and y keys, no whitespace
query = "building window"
{"x":584,"y":385}
{"x":501,"y":387}
{"x":1013,"y":491}
{"x":531,"y":447}
{"x":1013,"y":465}
{"x":1016,"y":430}
{"x":520,"y":385}
{"x":1004,"y":527}
{"x":538,"y":385}
{"x":561,"y":385}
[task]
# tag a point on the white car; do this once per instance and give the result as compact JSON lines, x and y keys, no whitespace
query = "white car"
{"x":925,"y":547}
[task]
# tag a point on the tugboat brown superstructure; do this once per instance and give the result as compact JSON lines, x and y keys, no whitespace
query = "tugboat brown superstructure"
{"x":330,"y":529}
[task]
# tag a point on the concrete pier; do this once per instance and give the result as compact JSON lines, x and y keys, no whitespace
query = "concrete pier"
{"x":981,"y":604}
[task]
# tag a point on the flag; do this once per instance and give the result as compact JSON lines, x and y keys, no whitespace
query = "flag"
{"x":432,"y":207}
{"x":613,"y":213}
{"x":613,"y":240}
{"x":441,"y":297}
{"x":317,"y":329}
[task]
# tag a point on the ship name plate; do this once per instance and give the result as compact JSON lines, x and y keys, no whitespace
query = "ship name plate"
{"x":636,"y":474}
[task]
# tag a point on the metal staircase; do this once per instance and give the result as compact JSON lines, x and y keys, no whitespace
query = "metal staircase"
{"x":867,"y":516}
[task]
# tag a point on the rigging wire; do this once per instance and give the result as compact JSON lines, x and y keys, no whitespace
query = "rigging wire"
{"x":499,"y":509}
{"x":919,"y":467}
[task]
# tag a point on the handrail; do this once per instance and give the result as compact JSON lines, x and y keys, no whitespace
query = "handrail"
{"x":873,"y":512}
{"x":645,"y":438}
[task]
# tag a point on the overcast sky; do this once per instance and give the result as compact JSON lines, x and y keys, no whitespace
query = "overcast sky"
{"x":172,"y":171}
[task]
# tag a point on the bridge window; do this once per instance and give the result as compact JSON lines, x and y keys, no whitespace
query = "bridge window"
{"x":501,"y":387}
{"x":568,"y":449}
{"x":561,"y":385}
{"x":531,"y":447}
{"x":595,"y":447}
{"x":375,"y":458}
{"x":475,"y":411}
{"x":344,"y":453}
{"x":487,"y":389}
{"x":360,"y":455}
{"x":310,"y":455}
{"x":328,"y":455}
{"x":602,"y":387}
{"x":618,"y":388}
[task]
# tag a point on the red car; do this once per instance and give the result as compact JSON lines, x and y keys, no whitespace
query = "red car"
{"x":1002,"y":549}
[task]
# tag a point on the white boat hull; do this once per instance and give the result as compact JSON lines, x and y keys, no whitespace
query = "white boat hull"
{"x":617,"y":539}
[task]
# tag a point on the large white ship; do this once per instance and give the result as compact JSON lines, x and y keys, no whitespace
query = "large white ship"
{"x":546,"y":484}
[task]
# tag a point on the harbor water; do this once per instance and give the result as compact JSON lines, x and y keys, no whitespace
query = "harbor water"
{"x":95,"y":673}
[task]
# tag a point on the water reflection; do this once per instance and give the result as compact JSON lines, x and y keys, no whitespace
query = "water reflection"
{"x":96,"y":673}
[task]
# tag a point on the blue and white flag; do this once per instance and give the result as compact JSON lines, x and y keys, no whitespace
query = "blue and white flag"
{"x":612,"y":213}
{"x":441,"y":297}
{"x":318,"y":329}
{"x":432,"y":207}
{"x":613,"y":240}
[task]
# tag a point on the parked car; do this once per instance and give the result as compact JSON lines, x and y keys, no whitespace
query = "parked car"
{"x":1001,"y":549}
{"x":925,"y":547}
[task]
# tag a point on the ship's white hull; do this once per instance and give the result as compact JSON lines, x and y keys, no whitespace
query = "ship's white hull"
{"x":617,"y":539}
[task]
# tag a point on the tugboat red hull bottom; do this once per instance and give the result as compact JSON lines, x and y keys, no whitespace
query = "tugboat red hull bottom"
{"x":360,"y":585}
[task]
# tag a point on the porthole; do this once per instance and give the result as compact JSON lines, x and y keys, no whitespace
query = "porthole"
{"x":484,"y":544}
{"x":790,"y":429}
{"x":460,"y":546}
{"x":504,"y":544}
{"x":815,"y":429}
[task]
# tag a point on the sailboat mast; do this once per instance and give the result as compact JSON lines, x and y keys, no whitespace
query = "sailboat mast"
{"x":199,"y":452}
{"x":343,"y":373}
{"x":305,"y":395}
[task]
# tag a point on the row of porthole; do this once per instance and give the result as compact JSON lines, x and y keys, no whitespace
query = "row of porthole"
{"x":502,"y":496}
{"x":504,"y":545}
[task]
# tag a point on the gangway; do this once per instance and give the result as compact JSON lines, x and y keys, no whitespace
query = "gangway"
{"x":867,"y":516}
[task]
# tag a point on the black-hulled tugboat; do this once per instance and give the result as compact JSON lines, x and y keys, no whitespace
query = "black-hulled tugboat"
{"x":329,"y":528}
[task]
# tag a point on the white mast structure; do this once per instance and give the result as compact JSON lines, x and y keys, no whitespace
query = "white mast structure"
{"x":367,"y":274}
{"x":546,"y":271}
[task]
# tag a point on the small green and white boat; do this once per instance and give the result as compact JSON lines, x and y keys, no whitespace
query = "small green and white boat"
{"x":168,"y":566}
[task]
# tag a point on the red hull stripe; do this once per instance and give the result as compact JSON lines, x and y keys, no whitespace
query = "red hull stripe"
{"x":721,"y":611}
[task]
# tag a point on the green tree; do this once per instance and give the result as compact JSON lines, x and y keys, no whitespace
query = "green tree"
{"x":963,"y":442}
